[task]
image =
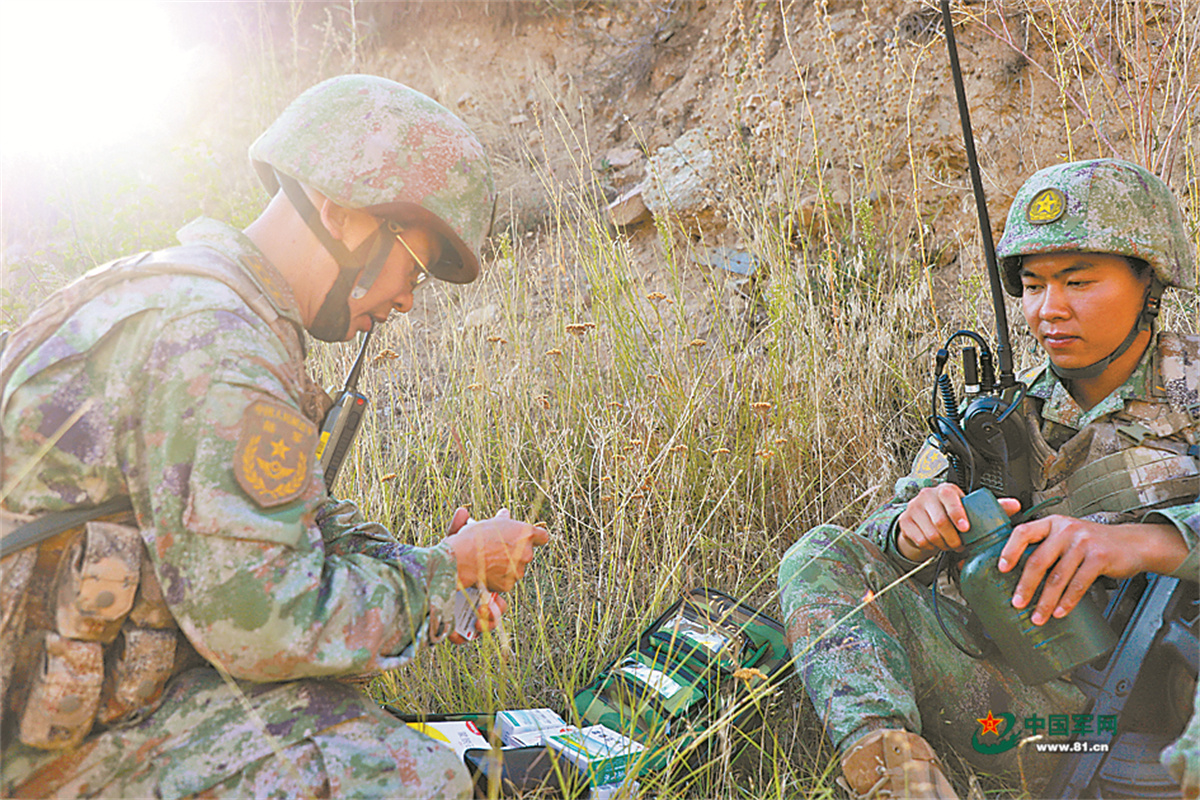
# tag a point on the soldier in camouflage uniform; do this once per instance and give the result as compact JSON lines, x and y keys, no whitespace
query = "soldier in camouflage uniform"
{"x":1088,"y":247}
{"x":188,"y":643}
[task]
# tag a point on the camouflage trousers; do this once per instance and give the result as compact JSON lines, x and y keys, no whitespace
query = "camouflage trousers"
{"x":888,"y":664}
{"x":308,"y":738}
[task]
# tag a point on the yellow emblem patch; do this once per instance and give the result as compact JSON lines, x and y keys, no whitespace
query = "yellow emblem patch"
{"x":1046,"y":206}
{"x":273,"y":462}
{"x":930,"y":463}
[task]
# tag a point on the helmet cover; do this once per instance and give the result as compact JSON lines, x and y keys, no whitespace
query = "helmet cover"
{"x":370,"y":143}
{"x":1099,"y":206}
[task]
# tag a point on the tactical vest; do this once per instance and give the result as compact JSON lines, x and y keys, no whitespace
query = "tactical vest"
{"x":1144,"y":457}
{"x":86,"y":637}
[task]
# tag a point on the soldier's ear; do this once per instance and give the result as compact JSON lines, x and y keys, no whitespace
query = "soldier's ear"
{"x":334,"y":217}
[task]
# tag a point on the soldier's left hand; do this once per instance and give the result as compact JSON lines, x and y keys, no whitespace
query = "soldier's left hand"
{"x":1074,"y":552}
{"x":489,"y":618}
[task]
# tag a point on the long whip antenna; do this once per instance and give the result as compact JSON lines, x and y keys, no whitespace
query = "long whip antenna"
{"x":1003,"y":346}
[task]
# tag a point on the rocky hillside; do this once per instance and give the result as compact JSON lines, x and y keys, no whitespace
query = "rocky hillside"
{"x":837,"y":116}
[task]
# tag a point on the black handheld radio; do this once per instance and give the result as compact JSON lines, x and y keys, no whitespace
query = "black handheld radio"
{"x":985,"y":443}
{"x":343,"y":420}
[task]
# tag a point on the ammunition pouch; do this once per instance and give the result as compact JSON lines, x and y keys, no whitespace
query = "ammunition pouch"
{"x":85,"y":635}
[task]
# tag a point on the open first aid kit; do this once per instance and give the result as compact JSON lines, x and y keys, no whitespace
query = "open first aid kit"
{"x":707,"y":659}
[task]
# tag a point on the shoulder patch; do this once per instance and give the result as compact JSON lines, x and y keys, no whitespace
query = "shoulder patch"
{"x":273,"y":462}
{"x":929,"y":463}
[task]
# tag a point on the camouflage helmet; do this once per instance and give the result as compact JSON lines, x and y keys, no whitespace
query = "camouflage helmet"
{"x":1099,"y":206}
{"x":370,"y":143}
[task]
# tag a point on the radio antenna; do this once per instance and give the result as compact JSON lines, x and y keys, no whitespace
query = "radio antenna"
{"x":1003,"y":346}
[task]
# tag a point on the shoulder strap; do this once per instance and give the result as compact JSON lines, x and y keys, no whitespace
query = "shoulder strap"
{"x":184,"y":260}
{"x":1028,"y":376}
{"x":1180,"y":377}
{"x":43,"y":527}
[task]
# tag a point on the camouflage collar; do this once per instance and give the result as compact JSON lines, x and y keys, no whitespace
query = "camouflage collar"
{"x":235,"y":245}
{"x":1060,"y":407}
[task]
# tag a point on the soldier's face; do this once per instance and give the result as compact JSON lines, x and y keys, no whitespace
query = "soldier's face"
{"x":417,"y":246}
{"x":1080,"y":306}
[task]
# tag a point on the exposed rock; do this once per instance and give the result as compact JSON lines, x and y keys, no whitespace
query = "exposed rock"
{"x":619,"y":157}
{"x":478,"y":317}
{"x":629,"y":209}
{"x":680,"y":179}
{"x":728,"y":258}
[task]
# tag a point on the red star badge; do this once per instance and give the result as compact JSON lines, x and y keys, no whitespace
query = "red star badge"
{"x":990,"y":724}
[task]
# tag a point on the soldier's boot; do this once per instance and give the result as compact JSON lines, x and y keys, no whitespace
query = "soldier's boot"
{"x":895,"y":764}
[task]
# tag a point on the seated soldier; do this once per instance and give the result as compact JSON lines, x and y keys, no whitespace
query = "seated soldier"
{"x":192,"y":645}
{"x":1088,"y":247}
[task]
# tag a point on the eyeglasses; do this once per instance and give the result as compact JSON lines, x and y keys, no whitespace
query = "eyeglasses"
{"x":423,"y":276}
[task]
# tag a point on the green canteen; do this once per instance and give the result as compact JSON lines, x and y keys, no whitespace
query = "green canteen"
{"x":1038,"y":653}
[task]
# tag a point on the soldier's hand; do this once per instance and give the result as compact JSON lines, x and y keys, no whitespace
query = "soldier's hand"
{"x":933,"y":520}
{"x":494,"y":552}
{"x":461,"y":517}
{"x":489,"y":618}
{"x":1074,"y":552}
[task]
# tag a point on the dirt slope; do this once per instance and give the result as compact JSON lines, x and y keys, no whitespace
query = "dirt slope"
{"x":857,"y":96}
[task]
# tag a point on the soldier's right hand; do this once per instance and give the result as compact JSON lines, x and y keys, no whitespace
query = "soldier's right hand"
{"x":933,"y":520}
{"x":494,"y":551}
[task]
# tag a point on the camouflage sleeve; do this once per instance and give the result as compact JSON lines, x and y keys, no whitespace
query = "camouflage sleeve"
{"x":228,"y":496}
{"x":1186,"y":520}
{"x":880,"y":528}
{"x":346,"y":531}
{"x":929,"y":469}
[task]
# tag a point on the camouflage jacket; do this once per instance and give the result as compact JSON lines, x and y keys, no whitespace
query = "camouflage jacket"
{"x":1157,"y":410}
{"x":174,"y":392}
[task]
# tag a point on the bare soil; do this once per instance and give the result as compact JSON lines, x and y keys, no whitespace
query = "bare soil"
{"x":588,"y":90}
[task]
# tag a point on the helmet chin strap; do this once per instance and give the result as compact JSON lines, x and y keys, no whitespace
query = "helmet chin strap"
{"x":359,"y":268}
{"x":1150,"y":307}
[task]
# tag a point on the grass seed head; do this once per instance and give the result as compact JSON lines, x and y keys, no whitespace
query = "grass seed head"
{"x":385,"y":355}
